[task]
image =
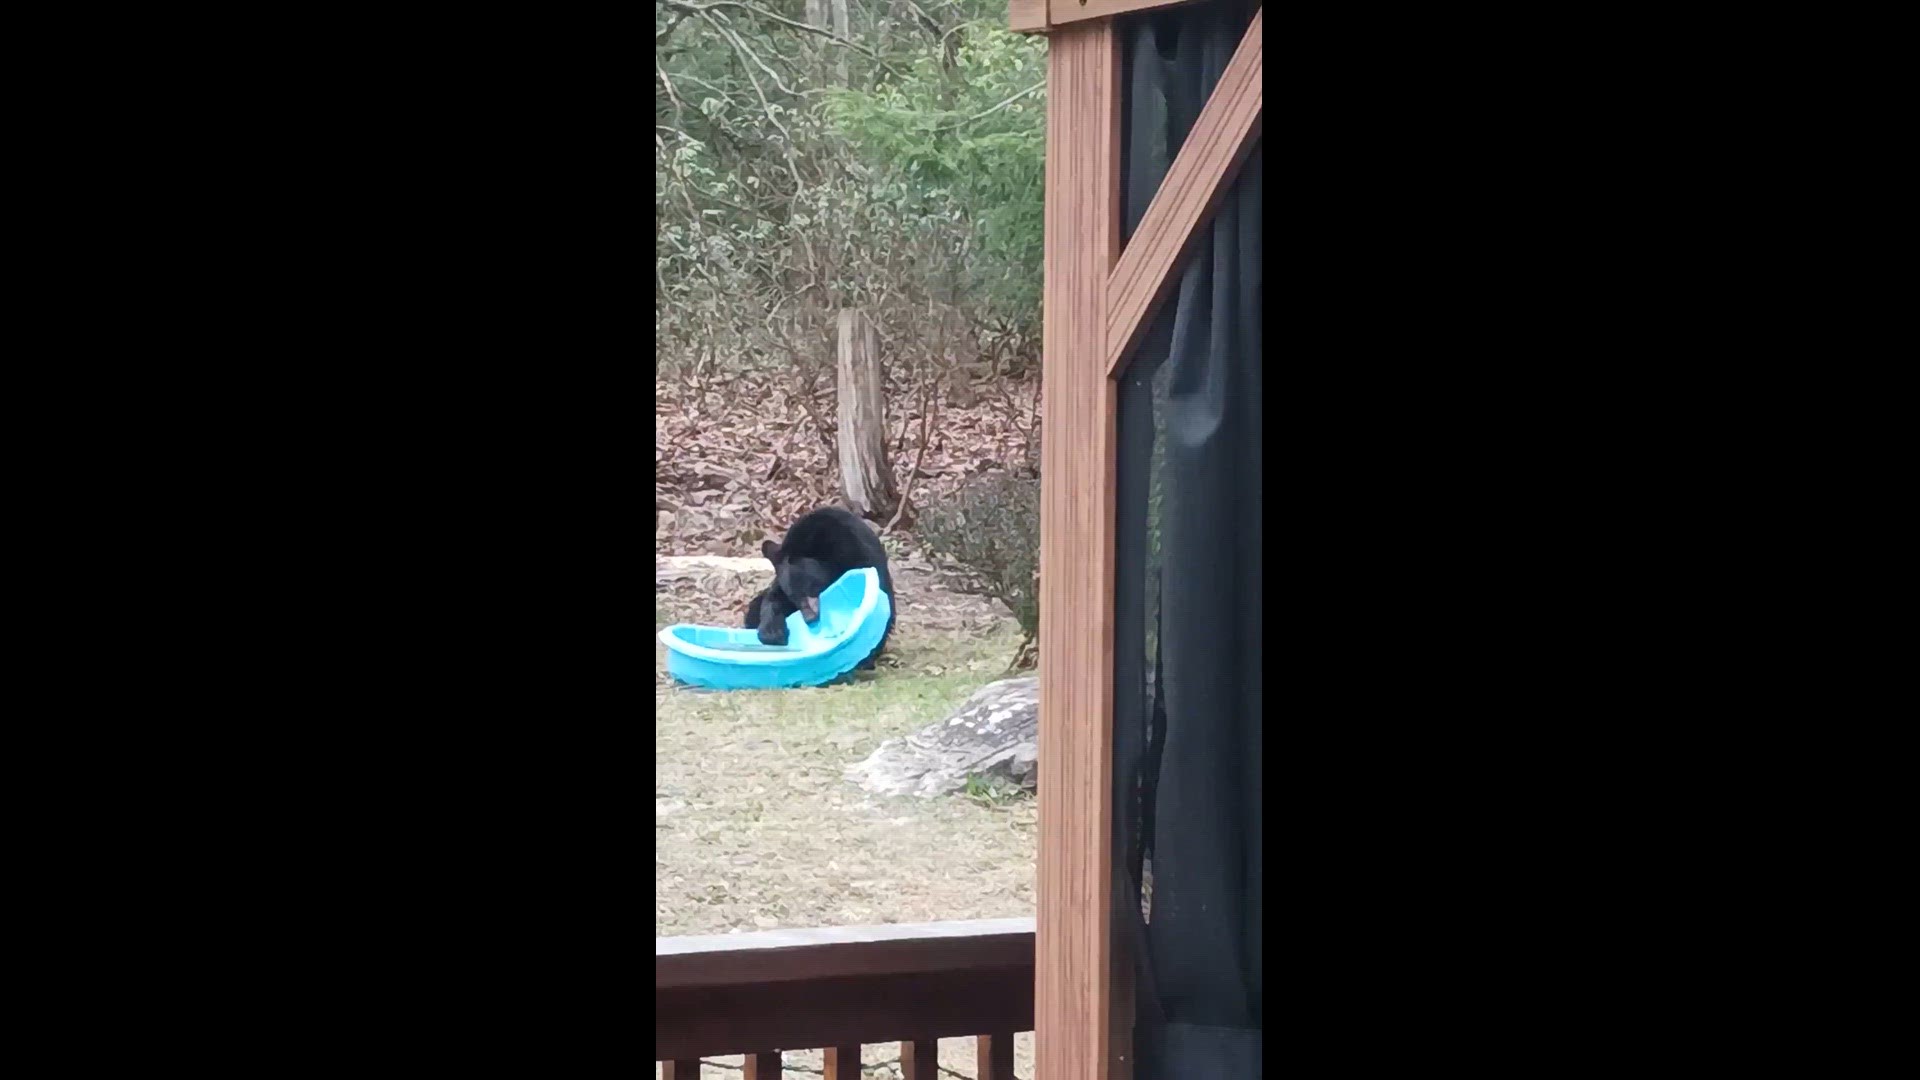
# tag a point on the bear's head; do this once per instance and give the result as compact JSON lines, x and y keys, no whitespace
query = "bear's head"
{"x":801,"y":580}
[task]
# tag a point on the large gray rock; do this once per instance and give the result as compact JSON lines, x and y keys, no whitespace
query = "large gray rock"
{"x":993,"y":733}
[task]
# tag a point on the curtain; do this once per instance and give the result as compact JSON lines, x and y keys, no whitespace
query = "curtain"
{"x":1188,"y":594}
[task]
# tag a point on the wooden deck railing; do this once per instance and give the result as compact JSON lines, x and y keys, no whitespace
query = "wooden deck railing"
{"x":837,"y":989}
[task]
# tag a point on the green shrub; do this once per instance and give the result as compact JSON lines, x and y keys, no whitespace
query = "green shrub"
{"x":988,"y":537}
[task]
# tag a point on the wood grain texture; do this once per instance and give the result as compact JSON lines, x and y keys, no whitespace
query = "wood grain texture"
{"x":706,"y":1021}
{"x":1027,"y":16}
{"x":866,"y":479}
{"x":929,"y":949}
{"x":763,"y":1066}
{"x":843,"y":1062}
{"x":1227,"y":127}
{"x":1072,"y":949}
{"x":1072,"y":11}
{"x":993,"y":1057}
{"x":680,"y":1070}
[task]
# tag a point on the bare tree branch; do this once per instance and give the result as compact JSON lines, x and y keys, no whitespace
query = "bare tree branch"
{"x":781,"y":19}
{"x":1035,"y":88}
{"x":678,"y":109}
{"x":767,"y":106}
{"x":724,"y":25}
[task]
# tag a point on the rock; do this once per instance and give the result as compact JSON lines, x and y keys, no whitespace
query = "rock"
{"x":995,"y":732}
{"x":672,"y":570}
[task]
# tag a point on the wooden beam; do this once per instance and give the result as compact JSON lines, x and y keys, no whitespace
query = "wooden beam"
{"x":1062,"y":12}
{"x":1073,"y":957}
{"x":1036,"y":16}
{"x":1227,"y":127}
{"x":1027,"y":16}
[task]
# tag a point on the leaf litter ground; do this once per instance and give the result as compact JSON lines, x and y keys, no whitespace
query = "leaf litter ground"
{"x":755,"y":826}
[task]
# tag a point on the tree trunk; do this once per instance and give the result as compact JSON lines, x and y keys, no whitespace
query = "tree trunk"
{"x":843,"y":26}
{"x":865,"y":476}
{"x":816,"y":15}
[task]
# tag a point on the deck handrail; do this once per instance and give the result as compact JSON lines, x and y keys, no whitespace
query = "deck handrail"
{"x":835,"y":951}
{"x":840,"y":987}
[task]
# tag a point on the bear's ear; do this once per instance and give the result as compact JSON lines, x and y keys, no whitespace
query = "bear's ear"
{"x":770,"y":549}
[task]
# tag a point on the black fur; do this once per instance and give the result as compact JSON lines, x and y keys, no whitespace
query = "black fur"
{"x":767,"y":613}
{"x":820,"y":547}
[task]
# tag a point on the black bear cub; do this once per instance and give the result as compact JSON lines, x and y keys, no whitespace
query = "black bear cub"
{"x":770,"y":619}
{"x":820,"y":547}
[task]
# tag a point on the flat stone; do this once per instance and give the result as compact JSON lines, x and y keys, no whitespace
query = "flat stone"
{"x":995,"y":732}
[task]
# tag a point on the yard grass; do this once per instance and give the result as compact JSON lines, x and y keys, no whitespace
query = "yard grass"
{"x":756,"y":826}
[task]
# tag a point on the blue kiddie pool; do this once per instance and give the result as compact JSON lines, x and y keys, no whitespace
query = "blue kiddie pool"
{"x":853,"y":619}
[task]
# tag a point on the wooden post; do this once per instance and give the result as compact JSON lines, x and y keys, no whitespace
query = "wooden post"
{"x":865,"y":476}
{"x":1073,"y":963}
{"x":1083,"y":992}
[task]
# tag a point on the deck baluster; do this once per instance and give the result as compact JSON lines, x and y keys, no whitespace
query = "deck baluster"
{"x":993,"y":1056}
{"x":920,"y":1059}
{"x":843,"y":1062}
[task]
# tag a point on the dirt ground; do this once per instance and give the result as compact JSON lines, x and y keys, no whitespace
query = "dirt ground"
{"x":755,"y":826}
